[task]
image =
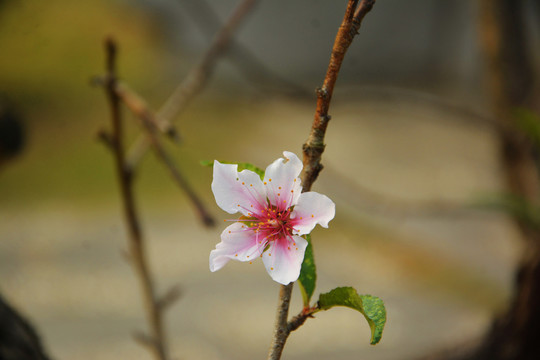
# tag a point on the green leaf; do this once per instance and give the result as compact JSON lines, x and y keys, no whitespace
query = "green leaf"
{"x":241,"y":166}
{"x":370,"y":306}
{"x":308,"y":274}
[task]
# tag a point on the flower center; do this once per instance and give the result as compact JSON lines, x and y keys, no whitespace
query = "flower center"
{"x":273,"y":224}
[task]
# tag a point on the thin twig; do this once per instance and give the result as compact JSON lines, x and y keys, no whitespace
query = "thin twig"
{"x":195,"y":80}
{"x":138,"y":106}
{"x":136,"y":242}
{"x":167,"y":160}
{"x":241,"y":56}
{"x":313,"y":149}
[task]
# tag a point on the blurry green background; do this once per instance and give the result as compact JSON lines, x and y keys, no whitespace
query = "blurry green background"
{"x":391,"y":147}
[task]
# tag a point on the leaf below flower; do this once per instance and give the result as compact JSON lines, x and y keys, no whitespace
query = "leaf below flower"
{"x":308,"y":274}
{"x":371,"y":307}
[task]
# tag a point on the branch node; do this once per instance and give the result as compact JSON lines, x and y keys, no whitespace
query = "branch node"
{"x":106,"y":138}
{"x":144,"y":339}
{"x":169,"y":298}
{"x":322,"y":93}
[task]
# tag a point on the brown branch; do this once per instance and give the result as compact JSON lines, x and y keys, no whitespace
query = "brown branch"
{"x":196,"y":79}
{"x":241,"y":56}
{"x":167,"y":160}
{"x":301,"y":318}
{"x":314,"y":147}
{"x":138,"y":106}
{"x":136,"y":241}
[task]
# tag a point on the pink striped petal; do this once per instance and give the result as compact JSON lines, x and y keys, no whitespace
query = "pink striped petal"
{"x":238,"y":191}
{"x":312,"y":209}
{"x":282,"y":182}
{"x":283,"y":260}
{"x":238,"y":242}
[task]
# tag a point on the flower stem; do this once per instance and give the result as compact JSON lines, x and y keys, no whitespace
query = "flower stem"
{"x":313,"y":149}
{"x":281,"y":330}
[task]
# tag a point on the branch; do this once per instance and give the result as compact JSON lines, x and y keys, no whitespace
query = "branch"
{"x":136,"y":242}
{"x":137,"y":105}
{"x":167,"y":160}
{"x":245,"y":61}
{"x":314,"y":147}
{"x":196,"y":79}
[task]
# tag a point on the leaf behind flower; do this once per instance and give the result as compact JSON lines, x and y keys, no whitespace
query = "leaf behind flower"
{"x":241,"y":166}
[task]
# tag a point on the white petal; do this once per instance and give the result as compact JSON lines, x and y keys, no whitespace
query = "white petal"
{"x":312,"y":209}
{"x":282,"y":182}
{"x":283,"y":260}
{"x":236,"y":191}
{"x":238,"y":242}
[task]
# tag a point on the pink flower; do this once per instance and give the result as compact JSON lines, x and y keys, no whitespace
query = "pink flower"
{"x":275,"y":213}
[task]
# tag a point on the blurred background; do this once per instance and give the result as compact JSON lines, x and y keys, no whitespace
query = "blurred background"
{"x":410,"y":145}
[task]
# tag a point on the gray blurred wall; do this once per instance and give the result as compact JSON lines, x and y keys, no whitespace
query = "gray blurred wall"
{"x":419,"y":44}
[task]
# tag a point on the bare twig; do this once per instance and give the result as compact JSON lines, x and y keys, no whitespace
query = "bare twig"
{"x":245,"y":61}
{"x":314,"y":147}
{"x":196,"y":79}
{"x":160,"y":152}
{"x":138,"y":106}
{"x":136,"y":242}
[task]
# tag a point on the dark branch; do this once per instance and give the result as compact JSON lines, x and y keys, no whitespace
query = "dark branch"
{"x":136,"y":242}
